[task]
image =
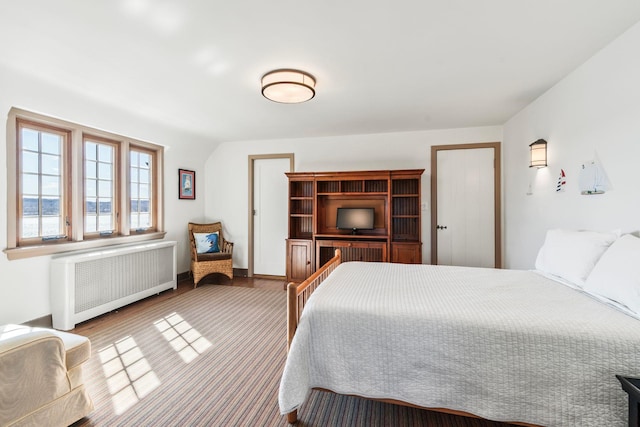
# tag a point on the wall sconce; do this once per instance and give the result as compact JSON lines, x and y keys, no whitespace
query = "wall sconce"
{"x":288,"y":86}
{"x":538,"y":154}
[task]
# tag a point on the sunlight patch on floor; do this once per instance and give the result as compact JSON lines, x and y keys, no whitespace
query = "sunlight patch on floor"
{"x":182,"y":337}
{"x":128,"y":373}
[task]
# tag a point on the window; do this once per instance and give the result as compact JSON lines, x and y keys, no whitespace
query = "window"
{"x":141,"y":165}
{"x":74,"y":187}
{"x":100,"y":190}
{"x":43,"y":185}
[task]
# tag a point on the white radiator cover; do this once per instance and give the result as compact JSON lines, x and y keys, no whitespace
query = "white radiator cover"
{"x":88,"y":284}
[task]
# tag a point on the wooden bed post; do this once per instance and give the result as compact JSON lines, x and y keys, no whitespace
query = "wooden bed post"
{"x":292,"y":312}
{"x":292,"y":417}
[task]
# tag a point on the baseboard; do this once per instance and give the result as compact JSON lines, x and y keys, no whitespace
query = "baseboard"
{"x":269,"y":276}
{"x":41,"y":322}
{"x":240,"y":272}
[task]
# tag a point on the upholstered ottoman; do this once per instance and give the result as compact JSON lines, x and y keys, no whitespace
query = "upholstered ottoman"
{"x":41,"y":376}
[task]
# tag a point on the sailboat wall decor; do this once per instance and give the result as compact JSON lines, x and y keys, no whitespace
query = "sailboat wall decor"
{"x":593,"y":179}
{"x":562,"y":181}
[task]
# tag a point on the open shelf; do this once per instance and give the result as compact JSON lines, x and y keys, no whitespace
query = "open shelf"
{"x":353,"y":186}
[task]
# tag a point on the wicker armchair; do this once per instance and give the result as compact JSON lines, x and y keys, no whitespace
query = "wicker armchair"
{"x":204,"y":264}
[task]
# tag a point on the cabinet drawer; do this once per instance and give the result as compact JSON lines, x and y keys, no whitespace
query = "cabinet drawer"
{"x":351,"y":251}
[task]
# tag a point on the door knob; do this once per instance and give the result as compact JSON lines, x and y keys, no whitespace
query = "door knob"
{"x":441,"y":227}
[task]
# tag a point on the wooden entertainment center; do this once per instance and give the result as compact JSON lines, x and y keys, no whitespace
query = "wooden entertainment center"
{"x":314,"y":198}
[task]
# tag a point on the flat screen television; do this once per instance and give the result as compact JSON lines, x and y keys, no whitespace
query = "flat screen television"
{"x":355,"y":219}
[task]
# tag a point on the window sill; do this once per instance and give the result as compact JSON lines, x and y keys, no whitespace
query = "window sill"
{"x":58,"y":248}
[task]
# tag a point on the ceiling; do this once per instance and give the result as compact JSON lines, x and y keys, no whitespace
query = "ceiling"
{"x":380,"y":65}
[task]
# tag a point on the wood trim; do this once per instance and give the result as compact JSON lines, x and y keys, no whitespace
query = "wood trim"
{"x":252,"y":158}
{"x":497,"y":195}
{"x":58,"y":248}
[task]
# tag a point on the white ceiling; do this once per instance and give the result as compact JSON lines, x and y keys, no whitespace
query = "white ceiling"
{"x":380,"y":65}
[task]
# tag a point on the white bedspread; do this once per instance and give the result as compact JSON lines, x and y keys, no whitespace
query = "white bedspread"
{"x":505,"y":345}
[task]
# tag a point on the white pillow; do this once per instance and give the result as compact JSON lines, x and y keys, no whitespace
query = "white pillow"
{"x":206,"y":242}
{"x":617,"y":275}
{"x":572,"y":254}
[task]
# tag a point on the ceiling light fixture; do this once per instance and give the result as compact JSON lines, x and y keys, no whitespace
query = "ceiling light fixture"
{"x":288,"y":86}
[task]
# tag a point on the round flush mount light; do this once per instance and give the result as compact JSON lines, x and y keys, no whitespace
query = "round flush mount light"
{"x":288,"y":86}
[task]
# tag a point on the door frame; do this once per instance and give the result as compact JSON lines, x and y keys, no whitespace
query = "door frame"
{"x":252,"y":159}
{"x":497,"y":162}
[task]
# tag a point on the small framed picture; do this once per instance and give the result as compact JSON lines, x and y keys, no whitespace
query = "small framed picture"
{"x":186,"y":184}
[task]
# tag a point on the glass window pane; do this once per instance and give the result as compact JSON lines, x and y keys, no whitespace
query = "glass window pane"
{"x":30,"y":139}
{"x":144,"y":220}
{"x":144,"y":190}
{"x":105,"y":223}
{"x":51,"y":206}
{"x":134,"y":206}
{"x":105,"y":153}
{"x":50,"y":185}
{"x":134,"y":191}
{"x":90,"y":149}
{"x":90,"y":224}
{"x":51,"y":226}
{"x":105,"y":188}
{"x":144,"y":205}
{"x":30,"y":206}
{"x":144,"y":176}
{"x":105,"y":205}
{"x":90,"y":188}
{"x":145,"y":161}
{"x":133,"y":175}
{"x":90,"y":206}
{"x":30,"y":184}
{"x":51,"y":164}
{"x":134,"y":220}
{"x":90,"y":169}
{"x":51,"y":143}
{"x":104,"y":171}
{"x":29,"y":162}
{"x":29,"y":227}
{"x":134,"y":158}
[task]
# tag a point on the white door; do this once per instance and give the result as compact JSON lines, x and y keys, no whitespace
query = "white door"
{"x":270,"y":216}
{"x":466,"y":207}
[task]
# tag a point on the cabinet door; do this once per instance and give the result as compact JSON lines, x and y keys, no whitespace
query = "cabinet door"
{"x":406,"y":253}
{"x":298,"y":260}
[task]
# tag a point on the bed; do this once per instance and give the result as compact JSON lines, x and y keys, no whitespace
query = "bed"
{"x":527,"y":347}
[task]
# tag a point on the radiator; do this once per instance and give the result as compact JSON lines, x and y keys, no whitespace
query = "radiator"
{"x":88,"y":284}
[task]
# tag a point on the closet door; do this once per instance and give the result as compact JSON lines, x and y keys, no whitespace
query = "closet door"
{"x":269,"y":215}
{"x":465,"y":217}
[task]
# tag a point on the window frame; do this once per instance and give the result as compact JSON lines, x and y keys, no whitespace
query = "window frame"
{"x":153,"y":193}
{"x":117,"y":176}
{"x":74,"y":170}
{"x":65,"y":202}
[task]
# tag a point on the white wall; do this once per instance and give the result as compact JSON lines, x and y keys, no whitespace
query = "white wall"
{"x":593,"y":111}
{"x":24,"y":288}
{"x":227,"y":199}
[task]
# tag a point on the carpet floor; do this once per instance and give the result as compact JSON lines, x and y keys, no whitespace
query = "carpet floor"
{"x":213,"y":357}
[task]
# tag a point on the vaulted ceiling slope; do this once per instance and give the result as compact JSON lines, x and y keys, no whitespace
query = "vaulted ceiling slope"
{"x":380,"y":65}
